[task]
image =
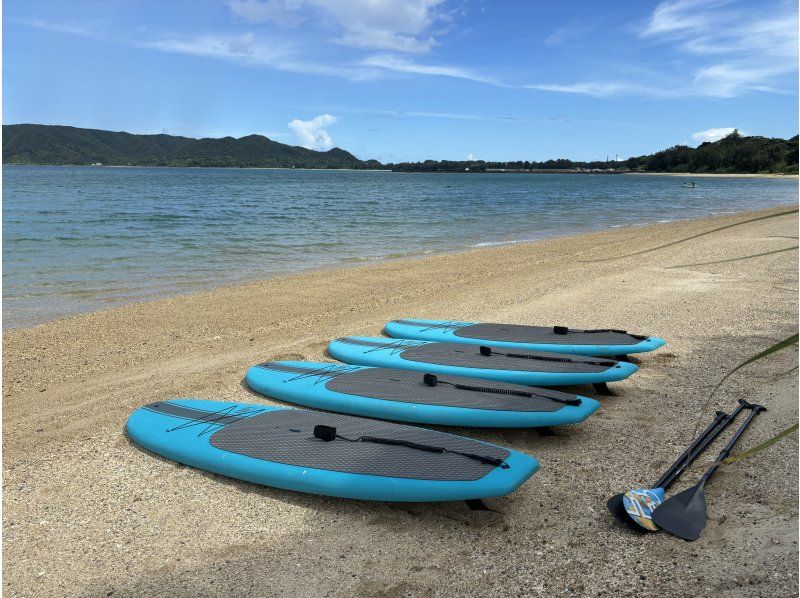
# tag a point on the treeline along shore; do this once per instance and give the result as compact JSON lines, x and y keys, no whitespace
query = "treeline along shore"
{"x":62,"y":145}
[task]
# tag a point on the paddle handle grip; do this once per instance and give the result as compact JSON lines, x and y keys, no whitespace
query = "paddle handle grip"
{"x":725,"y":452}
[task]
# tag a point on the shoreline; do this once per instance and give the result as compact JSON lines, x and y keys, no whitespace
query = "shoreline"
{"x":539,"y":171}
{"x":717,"y":175}
{"x":87,"y":512}
{"x":344,"y":265}
{"x":201,"y":167}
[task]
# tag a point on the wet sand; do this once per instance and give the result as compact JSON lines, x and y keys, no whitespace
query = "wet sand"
{"x":86,"y":512}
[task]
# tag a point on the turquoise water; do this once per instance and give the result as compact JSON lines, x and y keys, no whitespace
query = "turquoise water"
{"x":77,"y":239}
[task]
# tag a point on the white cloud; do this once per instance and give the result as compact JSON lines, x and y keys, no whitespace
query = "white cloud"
{"x":217,"y":46}
{"x":402,"y":114}
{"x":684,"y":17}
{"x":574,"y":29}
{"x":283,"y":12}
{"x":712,"y":134}
{"x":730,"y":79}
{"x":754,"y":46}
{"x":598,"y":89}
{"x":735,"y":47}
{"x":397,"y":25}
{"x":377,"y":29}
{"x":401,"y":65}
{"x":311,"y":133}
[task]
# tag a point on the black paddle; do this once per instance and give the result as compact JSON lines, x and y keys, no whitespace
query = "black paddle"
{"x":640,"y":503}
{"x":616,"y":505}
{"x":684,"y":515}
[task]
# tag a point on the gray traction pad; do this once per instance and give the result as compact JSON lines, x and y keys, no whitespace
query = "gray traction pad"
{"x":516,"y":333}
{"x":469,"y":356}
{"x":221,"y":417}
{"x":287,"y":436}
{"x":404,"y":386}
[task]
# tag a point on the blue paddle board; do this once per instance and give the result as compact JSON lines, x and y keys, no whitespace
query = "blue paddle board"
{"x":326,"y":453}
{"x":532,"y":368}
{"x":556,"y":339}
{"x":411,"y":396}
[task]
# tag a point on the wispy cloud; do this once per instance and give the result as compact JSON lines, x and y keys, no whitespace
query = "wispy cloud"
{"x":217,"y":46}
{"x":737,"y":47}
{"x":400,"y":26}
{"x":572,"y":30}
{"x":396,"y":25}
{"x":313,"y":133}
{"x":684,"y":18}
{"x":604,"y":89}
{"x":712,"y":134}
{"x":402,"y":65}
{"x":282,"y":12}
{"x":401,"y":114}
{"x":256,"y":50}
{"x":247,"y":48}
{"x":83,"y":29}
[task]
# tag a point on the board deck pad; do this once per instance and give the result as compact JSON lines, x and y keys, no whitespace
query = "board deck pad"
{"x":469,"y":356}
{"x":407,"y":386}
{"x":539,"y":334}
{"x":287,"y":436}
{"x":597,"y":342}
{"x":519,"y":333}
{"x":277,"y":447}
{"x":198,"y":415}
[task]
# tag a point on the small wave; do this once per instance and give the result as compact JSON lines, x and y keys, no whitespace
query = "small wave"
{"x":495,"y":243}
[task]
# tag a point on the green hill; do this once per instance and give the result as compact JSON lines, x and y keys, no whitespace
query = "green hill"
{"x":50,"y":144}
{"x":733,"y":154}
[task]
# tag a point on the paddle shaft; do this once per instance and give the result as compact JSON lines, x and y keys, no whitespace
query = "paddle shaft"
{"x":725,"y":453}
{"x":689,"y":454}
{"x":709,"y":435}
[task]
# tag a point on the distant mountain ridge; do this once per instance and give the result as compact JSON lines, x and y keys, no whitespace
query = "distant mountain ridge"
{"x":62,"y":145}
{"x":57,"y":144}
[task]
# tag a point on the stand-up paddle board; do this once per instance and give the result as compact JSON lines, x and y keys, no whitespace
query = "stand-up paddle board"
{"x":532,"y":368}
{"x":325,"y":453}
{"x":556,"y":339}
{"x":410,"y":396}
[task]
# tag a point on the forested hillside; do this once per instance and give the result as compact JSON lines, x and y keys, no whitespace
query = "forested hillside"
{"x":49,"y":144}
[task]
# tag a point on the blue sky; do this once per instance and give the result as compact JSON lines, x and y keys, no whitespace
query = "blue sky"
{"x":410,"y":79}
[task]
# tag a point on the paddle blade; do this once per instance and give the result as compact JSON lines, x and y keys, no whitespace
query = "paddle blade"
{"x":617,"y":508}
{"x":640,"y":504}
{"x":683,"y":515}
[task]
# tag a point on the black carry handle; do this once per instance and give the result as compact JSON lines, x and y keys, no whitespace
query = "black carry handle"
{"x":329,"y":434}
{"x":566,"y":330}
{"x":488,"y":352}
{"x":432,"y":380}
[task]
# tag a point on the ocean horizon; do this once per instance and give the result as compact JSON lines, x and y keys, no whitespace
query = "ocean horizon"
{"x":78,"y":239}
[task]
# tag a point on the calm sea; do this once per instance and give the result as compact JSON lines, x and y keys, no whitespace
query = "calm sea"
{"x":77,"y":239}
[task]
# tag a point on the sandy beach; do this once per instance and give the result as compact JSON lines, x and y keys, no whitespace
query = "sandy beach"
{"x":86,"y":512}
